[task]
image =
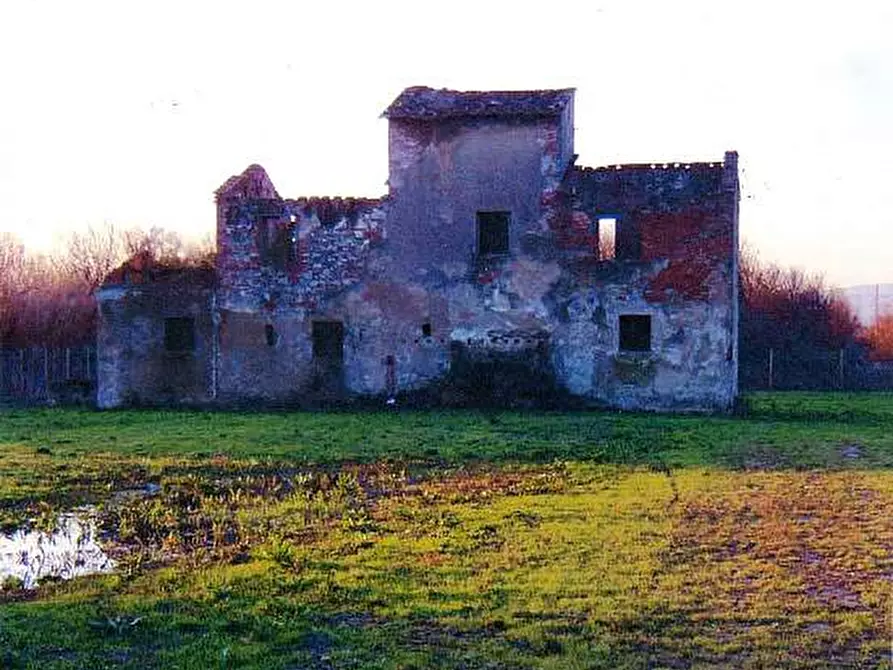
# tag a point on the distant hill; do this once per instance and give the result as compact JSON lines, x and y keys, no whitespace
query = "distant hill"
{"x":862,"y":300}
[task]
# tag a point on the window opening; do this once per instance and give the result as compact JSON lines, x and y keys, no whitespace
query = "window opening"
{"x":179,"y":334}
{"x":328,"y":356}
{"x":271,"y":335}
{"x":426,"y":330}
{"x":607,"y":238}
{"x":328,"y":341}
{"x":635,"y":332}
{"x":493,"y":233}
{"x":276,"y":242}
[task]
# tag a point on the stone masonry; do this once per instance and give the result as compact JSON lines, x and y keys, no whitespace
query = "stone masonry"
{"x":485,"y":275}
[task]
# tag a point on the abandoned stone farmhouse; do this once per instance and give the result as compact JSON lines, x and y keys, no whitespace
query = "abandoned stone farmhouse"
{"x":495,"y":269}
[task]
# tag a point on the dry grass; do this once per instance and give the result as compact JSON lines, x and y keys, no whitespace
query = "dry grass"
{"x":758,"y":551}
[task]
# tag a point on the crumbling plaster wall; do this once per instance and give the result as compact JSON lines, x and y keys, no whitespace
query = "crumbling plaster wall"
{"x":418,"y":302}
{"x":681,"y":223}
{"x":407,"y":292}
{"x":328,"y":240}
{"x":442,"y":173}
{"x":133,"y":364}
{"x":324,"y":244}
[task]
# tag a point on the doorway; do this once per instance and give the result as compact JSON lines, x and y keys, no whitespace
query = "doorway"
{"x":328,"y":355}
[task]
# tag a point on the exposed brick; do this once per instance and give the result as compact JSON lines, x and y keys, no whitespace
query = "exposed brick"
{"x":419,"y":310}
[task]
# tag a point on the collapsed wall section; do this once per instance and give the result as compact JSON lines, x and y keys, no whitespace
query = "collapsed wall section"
{"x":281,"y":263}
{"x":155,"y":337}
{"x":654,"y":326}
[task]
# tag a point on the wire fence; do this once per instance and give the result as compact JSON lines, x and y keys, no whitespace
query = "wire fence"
{"x":67,"y":375}
{"x":813,"y":369}
{"x":48,"y":375}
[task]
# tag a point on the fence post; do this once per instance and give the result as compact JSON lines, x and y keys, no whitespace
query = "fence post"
{"x":840,"y":368}
{"x":771,"y":357}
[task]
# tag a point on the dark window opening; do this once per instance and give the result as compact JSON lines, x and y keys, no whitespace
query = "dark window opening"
{"x":493,"y":233}
{"x":390,"y":377}
{"x":264,"y":231}
{"x":328,"y":341}
{"x":179,"y":334}
{"x":635,"y":332}
{"x":328,"y":357}
{"x":276,"y":243}
{"x":272,"y":337}
{"x":626,"y":241}
{"x":426,"y":330}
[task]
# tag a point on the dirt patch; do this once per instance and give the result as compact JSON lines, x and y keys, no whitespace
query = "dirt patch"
{"x":762,"y":458}
{"x":782,"y":547}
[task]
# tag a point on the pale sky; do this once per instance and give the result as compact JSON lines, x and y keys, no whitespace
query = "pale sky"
{"x":133,"y":113}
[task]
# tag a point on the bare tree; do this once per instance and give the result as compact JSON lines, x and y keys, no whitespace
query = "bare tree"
{"x":12,"y":257}
{"x":789,"y":311}
{"x":48,"y":300}
{"x":91,"y":255}
{"x":167,"y":247}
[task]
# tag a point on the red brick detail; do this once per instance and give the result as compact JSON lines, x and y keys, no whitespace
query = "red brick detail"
{"x":693,"y":242}
{"x":686,"y":279}
{"x":332,"y":210}
{"x":573,"y":230}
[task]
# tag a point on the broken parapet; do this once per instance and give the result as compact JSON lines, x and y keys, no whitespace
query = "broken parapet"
{"x":484,"y":270}
{"x":289,"y":254}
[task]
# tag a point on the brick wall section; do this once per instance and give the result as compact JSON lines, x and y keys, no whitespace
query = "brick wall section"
{"x":684,"y":214}
{"x":676,"y":263}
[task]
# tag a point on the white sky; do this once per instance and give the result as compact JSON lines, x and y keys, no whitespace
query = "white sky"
{"x":134,"y":114}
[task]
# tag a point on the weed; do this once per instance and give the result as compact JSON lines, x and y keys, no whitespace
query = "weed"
{"x":420,"y":539}
{"x":283,"y":553}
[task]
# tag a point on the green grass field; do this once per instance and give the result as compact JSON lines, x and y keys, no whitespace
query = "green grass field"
{"x":462,"y":539}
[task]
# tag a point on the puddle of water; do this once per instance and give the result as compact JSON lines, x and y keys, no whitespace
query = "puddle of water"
{"x":851,"y":451}
{"x":71,"y":550}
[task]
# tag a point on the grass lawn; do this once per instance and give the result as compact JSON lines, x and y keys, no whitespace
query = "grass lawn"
{"x":461,"y":539}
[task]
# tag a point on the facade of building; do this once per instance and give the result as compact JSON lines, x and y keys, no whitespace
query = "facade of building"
{"x":495,"y":270}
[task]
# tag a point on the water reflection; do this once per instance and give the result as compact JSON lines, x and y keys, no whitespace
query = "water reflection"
{"x":71,"y":550}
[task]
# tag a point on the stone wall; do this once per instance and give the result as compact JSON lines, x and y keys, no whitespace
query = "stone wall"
{"x":484,"y":314}
{"x":676,"y":263}
{"x":320,"y":299}
{"x":280,"y":264}
{"x":139,"y":361}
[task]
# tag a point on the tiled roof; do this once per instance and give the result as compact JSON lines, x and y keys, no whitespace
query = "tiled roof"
{"x":421,"y":102}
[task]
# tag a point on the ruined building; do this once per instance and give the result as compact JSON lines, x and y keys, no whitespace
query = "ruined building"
{"x":495,"y":269}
